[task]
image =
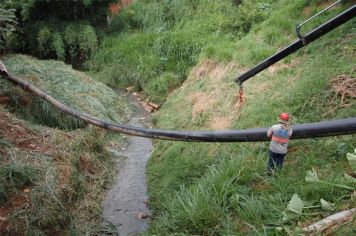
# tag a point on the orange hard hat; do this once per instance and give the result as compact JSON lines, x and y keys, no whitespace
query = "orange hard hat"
{"x":284,"y":117}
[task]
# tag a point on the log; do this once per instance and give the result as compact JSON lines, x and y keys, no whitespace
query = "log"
{"x":331,"y":222}
{"x":154,"y":105}
{"x":147,"y":107}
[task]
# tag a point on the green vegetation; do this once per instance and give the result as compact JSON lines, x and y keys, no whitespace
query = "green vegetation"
{"x":157,"y":46}
{"x":7,"y":24}
{"x":51,"y":181}
{"x":223,"y":189}
{"x":51,"y":192}
{"x":45,"y":28}
{"x":62,"y":82}
{"x":154,"y":44}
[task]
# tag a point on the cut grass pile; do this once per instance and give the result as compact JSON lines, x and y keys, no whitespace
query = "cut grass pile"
{"x":52,"y":182}
{"x":72,"y":87}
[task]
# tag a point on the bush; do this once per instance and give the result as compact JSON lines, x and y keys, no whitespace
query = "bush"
{"x":7,"y":24}
{"x":81,"y":42}
{"x":159,"y":88}
{"x":44,"y":41}
{"x":127,"y":60}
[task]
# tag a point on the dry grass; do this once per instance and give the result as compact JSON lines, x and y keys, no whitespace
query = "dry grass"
{"x":201,"y":103}
{"x":214,"y":70}
{"x":220,"y":123}
{"x":345,"y":87}
{"x":214,"y":76}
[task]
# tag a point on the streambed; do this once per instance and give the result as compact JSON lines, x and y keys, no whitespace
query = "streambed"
{"x":125,"y":204}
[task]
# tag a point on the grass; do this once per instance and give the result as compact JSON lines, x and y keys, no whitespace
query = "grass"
{"x":63,"y":83}
{"x":16,"y":174}
{"x":197,"y":188}
{"x":155,"y":39}
{"x":52,"y":181}
{"x":225,"y":189}
{"x":63,"y":191}
{"x":236,"y":192}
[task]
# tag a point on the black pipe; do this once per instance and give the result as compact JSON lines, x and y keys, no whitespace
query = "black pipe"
{"x":313,"y":35}
{"x":312,"y":130}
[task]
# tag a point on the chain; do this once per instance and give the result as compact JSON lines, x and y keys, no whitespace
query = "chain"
{"x":240,"y":101}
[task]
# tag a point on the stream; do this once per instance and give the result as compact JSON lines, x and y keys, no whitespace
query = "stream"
{"x":125,"y":204}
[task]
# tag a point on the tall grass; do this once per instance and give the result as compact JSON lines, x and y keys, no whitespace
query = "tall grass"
{"x":166,"y":37}
{"x":254,"y":203}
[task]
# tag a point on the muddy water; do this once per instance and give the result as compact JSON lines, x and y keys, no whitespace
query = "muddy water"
{"x":125,"y":204}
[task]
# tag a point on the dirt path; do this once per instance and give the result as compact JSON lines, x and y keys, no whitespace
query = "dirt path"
{"x":125,"y":203}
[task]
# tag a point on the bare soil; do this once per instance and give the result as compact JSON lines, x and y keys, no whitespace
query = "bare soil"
{"x":25,"y":140}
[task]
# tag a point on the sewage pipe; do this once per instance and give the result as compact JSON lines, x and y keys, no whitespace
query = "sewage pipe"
{"x":302,"y":131}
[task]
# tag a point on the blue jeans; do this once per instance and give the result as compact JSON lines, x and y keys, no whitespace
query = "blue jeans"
{"x":275,"y":160}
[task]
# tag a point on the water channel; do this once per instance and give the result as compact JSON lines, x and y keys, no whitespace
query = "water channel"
{"x":125,"y":204}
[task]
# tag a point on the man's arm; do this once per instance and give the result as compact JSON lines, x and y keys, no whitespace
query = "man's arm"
{"x":270,"y":132}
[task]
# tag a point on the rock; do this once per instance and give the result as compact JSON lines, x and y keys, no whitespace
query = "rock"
{"x":141,"y":216}
{"x":129,"y":89}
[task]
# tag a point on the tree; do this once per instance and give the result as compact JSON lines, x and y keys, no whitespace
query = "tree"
{"x":57,"y":29}
{"x":7,"y":24}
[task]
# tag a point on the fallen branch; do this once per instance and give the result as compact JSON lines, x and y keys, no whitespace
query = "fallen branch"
{"x":331,"y":222}
{"x":154,"y":105}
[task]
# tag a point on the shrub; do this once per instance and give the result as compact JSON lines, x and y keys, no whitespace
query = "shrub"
{"x":50,"y":44}
{"x":58,"y":46}
{"x":81,"y":42}
{"x":127,"y":60}
{"x":7,"y":24}
{"x":44,"y":41}
{"x":159,"y":88}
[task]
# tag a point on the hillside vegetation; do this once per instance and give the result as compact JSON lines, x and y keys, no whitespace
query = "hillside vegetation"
{"x":223,"y":189}
{"x":185,"y":55}
{"x":51,"y":180}
{"x":154,"y":44}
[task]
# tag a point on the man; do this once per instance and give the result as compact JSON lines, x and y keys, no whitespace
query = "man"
{"x":278,"y":147}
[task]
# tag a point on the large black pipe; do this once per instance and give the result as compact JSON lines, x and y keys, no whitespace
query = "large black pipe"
{"x":312,"y":130}
{"x":310,"y":37}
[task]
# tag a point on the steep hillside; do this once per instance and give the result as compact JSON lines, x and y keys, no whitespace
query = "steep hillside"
{"x":63,"y":83}
{"x":185,"y":54}
{"x":223,"y":189}
{"x":52,"y":181}
{"x":154,"y":44}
